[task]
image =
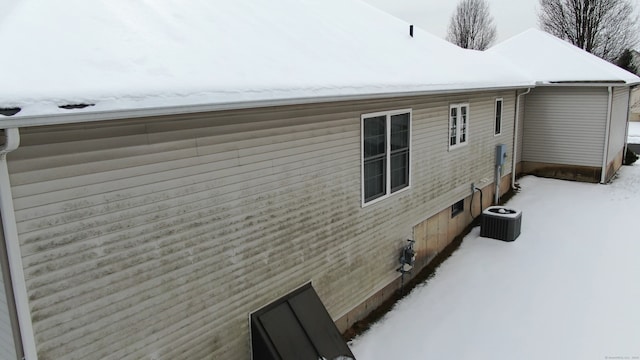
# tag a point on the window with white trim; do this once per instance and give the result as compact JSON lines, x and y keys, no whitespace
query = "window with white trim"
{"x":458,"y":125}
{"x":386,"y":140}
{"x":498,"y":123}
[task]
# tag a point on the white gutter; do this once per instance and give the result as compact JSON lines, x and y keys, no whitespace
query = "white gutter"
{"x":603,"y":176}
{"x":86,"y":115}
{"x":514,"y":154}
{"x":581,"y":84}
{"x":12,"y":141}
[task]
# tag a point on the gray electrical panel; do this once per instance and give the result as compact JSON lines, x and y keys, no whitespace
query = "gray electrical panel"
{"x":501,"y":154}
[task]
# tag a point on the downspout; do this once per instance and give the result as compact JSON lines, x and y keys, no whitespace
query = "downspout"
{"x":626,"y":130}
{"x":11,"y":143}
{"x":603,"y":176}
{"x":515,"y":140}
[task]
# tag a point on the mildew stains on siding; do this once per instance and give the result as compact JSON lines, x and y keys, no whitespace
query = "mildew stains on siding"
{"x":157,"y":237}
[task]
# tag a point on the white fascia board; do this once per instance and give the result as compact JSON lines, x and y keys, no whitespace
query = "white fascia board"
{"x":81,"y":116}
{"x":581,"y":84}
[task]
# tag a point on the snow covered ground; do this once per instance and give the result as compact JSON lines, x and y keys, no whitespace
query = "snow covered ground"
{"x":567,"y":288}
{"x":634,"y":133}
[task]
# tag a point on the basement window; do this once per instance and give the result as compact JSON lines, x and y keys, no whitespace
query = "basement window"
{"x":386,"y":139}
{"x":457,"y":208}
{"x":296,"y":327}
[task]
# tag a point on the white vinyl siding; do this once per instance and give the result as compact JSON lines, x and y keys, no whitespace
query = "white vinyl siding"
{"x":565,"y":125}
{"x":619,"y":117}
{"x":155,"y":238}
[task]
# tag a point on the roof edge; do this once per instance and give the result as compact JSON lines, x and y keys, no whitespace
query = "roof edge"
{"x":585,"y":83}
{"x":107,"y":115}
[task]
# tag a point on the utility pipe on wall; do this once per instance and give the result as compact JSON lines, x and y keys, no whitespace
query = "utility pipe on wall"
{"x":626,"y":130}
{"x":605,"y":152}
{"x":514,"y":154}
{"x":496,"y":194}
{"x":12,"y":141}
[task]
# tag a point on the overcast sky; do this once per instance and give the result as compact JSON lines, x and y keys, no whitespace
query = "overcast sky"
{"x":511,"y":16}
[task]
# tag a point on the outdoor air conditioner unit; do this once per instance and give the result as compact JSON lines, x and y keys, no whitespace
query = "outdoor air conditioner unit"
{"x":501,"y":223}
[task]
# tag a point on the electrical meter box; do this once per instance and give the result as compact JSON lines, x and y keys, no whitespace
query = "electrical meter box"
{"x":501,"y":154}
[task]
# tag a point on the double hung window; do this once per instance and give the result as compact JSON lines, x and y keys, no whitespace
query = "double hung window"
{"x":386,"y":140}
{"x":458,"y":125}
{"x":498,"y":123}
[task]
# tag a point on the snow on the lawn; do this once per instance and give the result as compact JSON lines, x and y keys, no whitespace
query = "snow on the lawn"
{"x":634,"y":133}
{"x":567,"y":288}
{"x":123,"y":54}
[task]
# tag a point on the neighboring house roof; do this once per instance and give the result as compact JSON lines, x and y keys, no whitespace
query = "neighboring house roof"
{"x":548,"y":59}
{"x":132,"y":54}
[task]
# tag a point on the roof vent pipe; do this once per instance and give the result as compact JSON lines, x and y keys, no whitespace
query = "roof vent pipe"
{"x":411,"y":30}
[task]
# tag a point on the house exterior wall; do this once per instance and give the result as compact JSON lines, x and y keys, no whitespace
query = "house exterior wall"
{"x":565,"y":126}
{"x":431,"y":237}
{"x":619,"y":117}
{"x":155,"y":238}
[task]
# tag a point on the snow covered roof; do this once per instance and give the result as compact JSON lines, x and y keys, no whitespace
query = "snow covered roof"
{"x":548,"y":59}
{"x":136,"y":54}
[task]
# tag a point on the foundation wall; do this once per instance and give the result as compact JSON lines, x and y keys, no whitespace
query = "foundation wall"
{"x":563,"y":172}
{"x":431,"y":237}
{"x":615,"y":165}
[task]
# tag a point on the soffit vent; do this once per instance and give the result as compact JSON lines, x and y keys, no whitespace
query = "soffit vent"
{"x":75,"y":106}
{"x":9,"y":111}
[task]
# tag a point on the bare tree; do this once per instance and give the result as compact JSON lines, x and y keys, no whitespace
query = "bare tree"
{"x":471,"y":25}
{"x":604,"y":28}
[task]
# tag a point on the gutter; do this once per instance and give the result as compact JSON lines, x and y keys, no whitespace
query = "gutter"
{"x":80,"y":116}
{"x":16,"y":270}
{"x":515,"y":140}
{"x":589,"y":82}
{"x":603,"y":176}
{"x":581,"y":84}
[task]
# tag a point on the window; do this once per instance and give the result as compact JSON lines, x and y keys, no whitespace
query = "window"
{"x":498,"y":125}
{"x":457,"y":208}
{"x":458,"y":125}
{"x":385,"y":154}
